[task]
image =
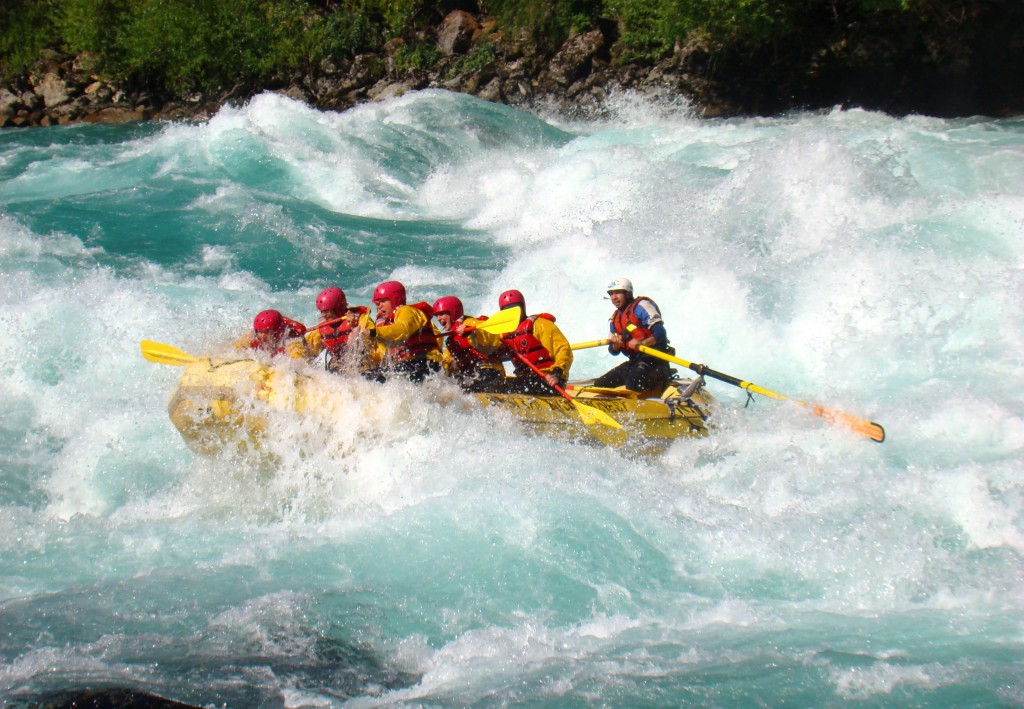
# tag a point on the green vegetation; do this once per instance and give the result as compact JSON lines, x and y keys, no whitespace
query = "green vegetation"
{"x":176,"y":47}
{"x":416,"y":56}
{"x":180,"y":46}
{"x":476,"y":59}
{"x":26,"y":28}
{"x":549,"y":22}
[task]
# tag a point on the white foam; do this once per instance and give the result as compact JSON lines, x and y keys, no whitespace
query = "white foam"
{"x":881,"y":679}
{"x":819,"y":256}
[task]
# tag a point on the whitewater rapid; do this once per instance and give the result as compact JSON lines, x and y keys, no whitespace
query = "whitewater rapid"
{"x":410,"y":552}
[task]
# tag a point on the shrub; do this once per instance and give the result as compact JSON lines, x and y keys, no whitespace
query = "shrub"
{"x":548,"y":22}
{"x":26,"y":28}
{"x":417,"y":55}
{"x":344,"y":32}
{"x":179,"y":46}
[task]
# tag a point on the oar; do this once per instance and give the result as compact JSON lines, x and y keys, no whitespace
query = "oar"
{"x":585,"y":345}
{"x":335,"y":321}
{"x":868,"y":429}
{"x":165,"y":354}
{"x":500,"y":323}
{"x":589,"y":414}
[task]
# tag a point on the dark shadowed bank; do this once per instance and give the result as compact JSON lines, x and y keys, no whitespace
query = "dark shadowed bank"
{"x":958,"y":59}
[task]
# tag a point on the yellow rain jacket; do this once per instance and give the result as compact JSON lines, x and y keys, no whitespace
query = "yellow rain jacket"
{"x":294,"y":347}
{"x":451,"y":363}
{"x":546,"y":332}
{"x":409,"y":335}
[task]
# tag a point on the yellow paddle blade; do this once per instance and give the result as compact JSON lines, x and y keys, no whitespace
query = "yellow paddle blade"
{"x":502,"y":321}
{"x":592,"y":416}
{"x":165,"y":354}
{"x":868,"y":429}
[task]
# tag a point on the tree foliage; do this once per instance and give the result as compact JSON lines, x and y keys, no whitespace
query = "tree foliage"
{"x":182,"y":46}
{"x":26,"y":28}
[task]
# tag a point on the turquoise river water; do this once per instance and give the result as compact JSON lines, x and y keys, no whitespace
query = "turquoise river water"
{"x":413,"y":553}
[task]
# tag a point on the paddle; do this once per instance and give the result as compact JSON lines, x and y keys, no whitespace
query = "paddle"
{"x":866,"y":428}
{"x":589,"y":414}
{"x":335,"y":321}
{"x":585,"y":345}
{"x":165,"y":354}
{"x":500,"y":323}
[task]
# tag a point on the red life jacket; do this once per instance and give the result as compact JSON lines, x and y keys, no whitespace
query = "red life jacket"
{"x":292,"y":329}
{"x":335,"y":337}
{"x":622,"y":319}
{"x":463,"y":351}
{"x":418,"y":343}
{"x":522,"y":341}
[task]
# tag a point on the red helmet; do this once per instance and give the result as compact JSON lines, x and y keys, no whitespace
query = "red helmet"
{"x":449,"y":304}
{"x":510,"y":298}
{"x":268,"y":320}
{"x":390,"y":290}
{"x":332,"y":298}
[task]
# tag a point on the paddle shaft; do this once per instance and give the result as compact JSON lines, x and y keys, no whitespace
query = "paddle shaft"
{"x":868,"y":429}
{"x":334,"y":321}
{"x":588,"y":414}
{"x":537,"y":370}
{"x":586,"y":345}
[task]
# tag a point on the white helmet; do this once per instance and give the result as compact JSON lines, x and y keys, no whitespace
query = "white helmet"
{"x":620,"y":284}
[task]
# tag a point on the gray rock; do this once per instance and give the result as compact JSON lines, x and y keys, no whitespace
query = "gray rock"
{"x":114,"y":114}
{"x":456,"y":33}
{"x":385,"y":89}
{"x":296,"y":93}
{"x":53,"y":90}
{"x":9,"y":105}
{"x":31,"y":100}
{"x":492,"y":91}
{"x":574,"y":59}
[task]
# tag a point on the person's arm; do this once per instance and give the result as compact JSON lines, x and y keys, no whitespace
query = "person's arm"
{"x":557,"y":346}
{"x":407,"y":321}
{"x":363,"y":336}
{"x":314,"y":342}
{"x":486,"y":342}
{"x":562,"y":352}
{"x":296,"y":348}
{"x":660,"y":334}
{"x":614,"y":339}
{"x":633,"y":344}
{"x":436,"y":354}
{"x":650,"y":318}
{"x":448,"y":363}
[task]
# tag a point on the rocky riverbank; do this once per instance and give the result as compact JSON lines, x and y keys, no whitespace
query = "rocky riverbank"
{"x":977,"y":70}
{"x":473,"y":60}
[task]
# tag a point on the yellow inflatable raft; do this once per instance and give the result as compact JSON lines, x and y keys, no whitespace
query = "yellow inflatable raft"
{"x":219,"y":403}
